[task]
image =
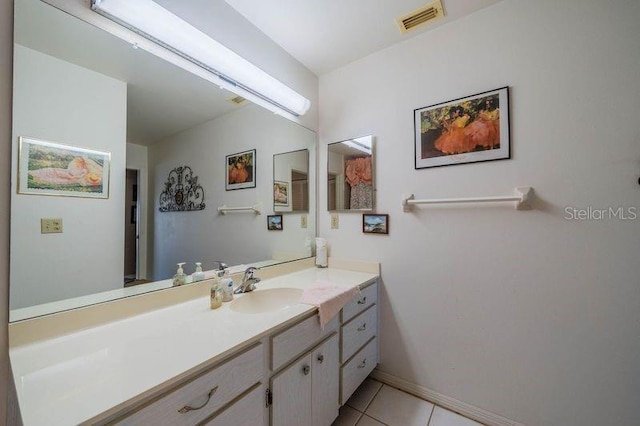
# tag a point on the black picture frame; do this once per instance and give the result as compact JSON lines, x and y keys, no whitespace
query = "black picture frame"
{"x":240,"y":170}
{"x":465,"y":130}
{"x":373,"y":223}
{"x":275,"y":222}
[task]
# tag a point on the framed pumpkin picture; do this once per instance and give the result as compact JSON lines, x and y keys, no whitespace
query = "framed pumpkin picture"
{"x":240,"y":170}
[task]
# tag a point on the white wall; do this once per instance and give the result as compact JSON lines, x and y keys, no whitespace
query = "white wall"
{"x":137,"y":159}
{"x":205,"y":236}
{"x":525,"y":314}
{"x":61,"y":102}
{"x":6,"y":58}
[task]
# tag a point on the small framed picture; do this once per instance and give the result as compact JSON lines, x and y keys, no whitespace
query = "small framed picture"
{"x":240,"y":170}
{"x":274,"y":222}
{"x":375,"y":223}
{"x":280,"y":193}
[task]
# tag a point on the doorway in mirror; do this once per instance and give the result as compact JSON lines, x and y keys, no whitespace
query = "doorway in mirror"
{"x":131,"y":228}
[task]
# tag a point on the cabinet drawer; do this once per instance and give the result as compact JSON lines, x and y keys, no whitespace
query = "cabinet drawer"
{"x":353,"y":373}
{"x":211,"y":390}
{"x":294,"y":340}
{"x":368,"y":297}
{"x":247,"y":411}
{"x":358,"y":332}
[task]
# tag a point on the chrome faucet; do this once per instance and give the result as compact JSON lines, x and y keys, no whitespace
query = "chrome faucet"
{"x":222,"y":267}
{"x":248,"y":281}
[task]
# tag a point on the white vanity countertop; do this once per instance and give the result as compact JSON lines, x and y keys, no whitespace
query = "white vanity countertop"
{"x":73,"y":378}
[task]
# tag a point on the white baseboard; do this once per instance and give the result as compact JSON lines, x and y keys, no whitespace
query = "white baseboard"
{"x":467,"y":410}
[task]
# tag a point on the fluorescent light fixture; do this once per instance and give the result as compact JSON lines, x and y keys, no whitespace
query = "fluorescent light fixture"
{"x":361,"y":144}
{"x":236,"y":74}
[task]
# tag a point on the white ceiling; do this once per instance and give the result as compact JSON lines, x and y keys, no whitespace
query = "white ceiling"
{"x":327,"y":34}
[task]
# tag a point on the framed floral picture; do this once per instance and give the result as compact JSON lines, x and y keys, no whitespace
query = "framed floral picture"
{"x":50,"y":168}
{"x":466,"y":130}
{"x":240,"y":170}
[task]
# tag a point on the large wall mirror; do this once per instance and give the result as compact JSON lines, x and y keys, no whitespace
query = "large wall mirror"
{"x":351,"y":175}
{"x":80,"y":86}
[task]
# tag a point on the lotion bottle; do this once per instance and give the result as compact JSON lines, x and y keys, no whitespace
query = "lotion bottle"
{"x":179,"y":278}
{"x":216,"y":292}
{"x":198,"y":275}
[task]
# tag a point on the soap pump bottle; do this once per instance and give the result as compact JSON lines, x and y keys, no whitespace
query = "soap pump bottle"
{"x":226,"y":285}
{"x":179,"y":278}
{"x":198,"y":275}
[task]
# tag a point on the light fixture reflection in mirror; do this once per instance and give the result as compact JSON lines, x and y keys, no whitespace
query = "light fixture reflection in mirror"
{"x":152,"y":116}
{"x":291,"y":181}
{"x":351,"y":174}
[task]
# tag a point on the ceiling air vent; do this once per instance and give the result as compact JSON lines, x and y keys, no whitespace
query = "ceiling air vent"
{"x":238,"y":100}
{"x":419,"y":17}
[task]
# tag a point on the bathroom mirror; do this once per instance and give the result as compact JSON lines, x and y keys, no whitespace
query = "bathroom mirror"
{"x":80,"y":86}
{"x":291,"y":181}
{"x":350,"y":175}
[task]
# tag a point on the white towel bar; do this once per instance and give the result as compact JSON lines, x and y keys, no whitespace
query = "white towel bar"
{"x":256,"y":208}
{"x":523,"y":197}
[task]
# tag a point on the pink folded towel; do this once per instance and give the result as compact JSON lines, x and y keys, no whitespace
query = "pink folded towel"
{"x":329,"y":298}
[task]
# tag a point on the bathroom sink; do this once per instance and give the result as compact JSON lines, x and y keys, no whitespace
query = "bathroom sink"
{"x":267,"y":300}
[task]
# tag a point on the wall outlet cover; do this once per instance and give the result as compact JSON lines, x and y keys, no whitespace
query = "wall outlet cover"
{"x":303,"y":221}
{"x":50,"y":226}
{"x":335,"y":222}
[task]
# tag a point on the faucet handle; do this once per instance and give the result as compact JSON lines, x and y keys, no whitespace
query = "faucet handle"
{"x":248,"y":273}
{"x":221,"y":265}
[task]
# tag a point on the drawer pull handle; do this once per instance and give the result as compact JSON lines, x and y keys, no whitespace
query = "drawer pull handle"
{"x":305,"y":370}
{"x":362,"y":301}
{"x":320,"y":358}
{"x":364,"y":363}
{"x":187,"y":408}
{"x":363,"y":327}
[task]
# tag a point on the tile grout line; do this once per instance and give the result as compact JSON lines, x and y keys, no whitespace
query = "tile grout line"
{"x":373,"y":418}
{"x":374,"y":397}
{"x":371,"y":402}
{"x":433,"y":408}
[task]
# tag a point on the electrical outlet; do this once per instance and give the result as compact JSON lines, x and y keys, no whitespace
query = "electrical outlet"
{"x":51,"y":226}
{"x":335,"y":223}
{"x":303,"y":221}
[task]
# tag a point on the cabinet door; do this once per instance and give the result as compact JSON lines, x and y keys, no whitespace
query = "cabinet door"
{"x":325,"y":372}
{"x":291,"y":389}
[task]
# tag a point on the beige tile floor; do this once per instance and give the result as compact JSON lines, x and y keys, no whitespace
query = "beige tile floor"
{"x":375,"y":404}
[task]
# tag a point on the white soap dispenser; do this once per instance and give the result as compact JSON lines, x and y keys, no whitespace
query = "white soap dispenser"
{"x":179,"y":278}
{"x":198,"y":275}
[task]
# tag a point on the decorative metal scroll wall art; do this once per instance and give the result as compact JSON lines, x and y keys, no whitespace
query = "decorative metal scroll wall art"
{"x":182,"y":193}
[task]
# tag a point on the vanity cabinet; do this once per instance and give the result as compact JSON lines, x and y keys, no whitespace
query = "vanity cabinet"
{"x":306,"y":392}
{"x":201,"y":397}
{"x":359,"y":348}
{"x":307,"y":389}
{"x":279,"y":368}
{"x":248,"y":410}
